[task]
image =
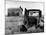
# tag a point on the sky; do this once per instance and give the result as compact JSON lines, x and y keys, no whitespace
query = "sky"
{"x":23,"y":4}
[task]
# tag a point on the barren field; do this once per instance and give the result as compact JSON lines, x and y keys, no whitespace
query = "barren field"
{"x":11,"y":24}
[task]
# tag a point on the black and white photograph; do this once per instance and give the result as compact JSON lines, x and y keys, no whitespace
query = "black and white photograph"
{"x":22,"y":17}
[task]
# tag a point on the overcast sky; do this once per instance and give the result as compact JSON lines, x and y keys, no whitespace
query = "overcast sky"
{"x":28,"y":5}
